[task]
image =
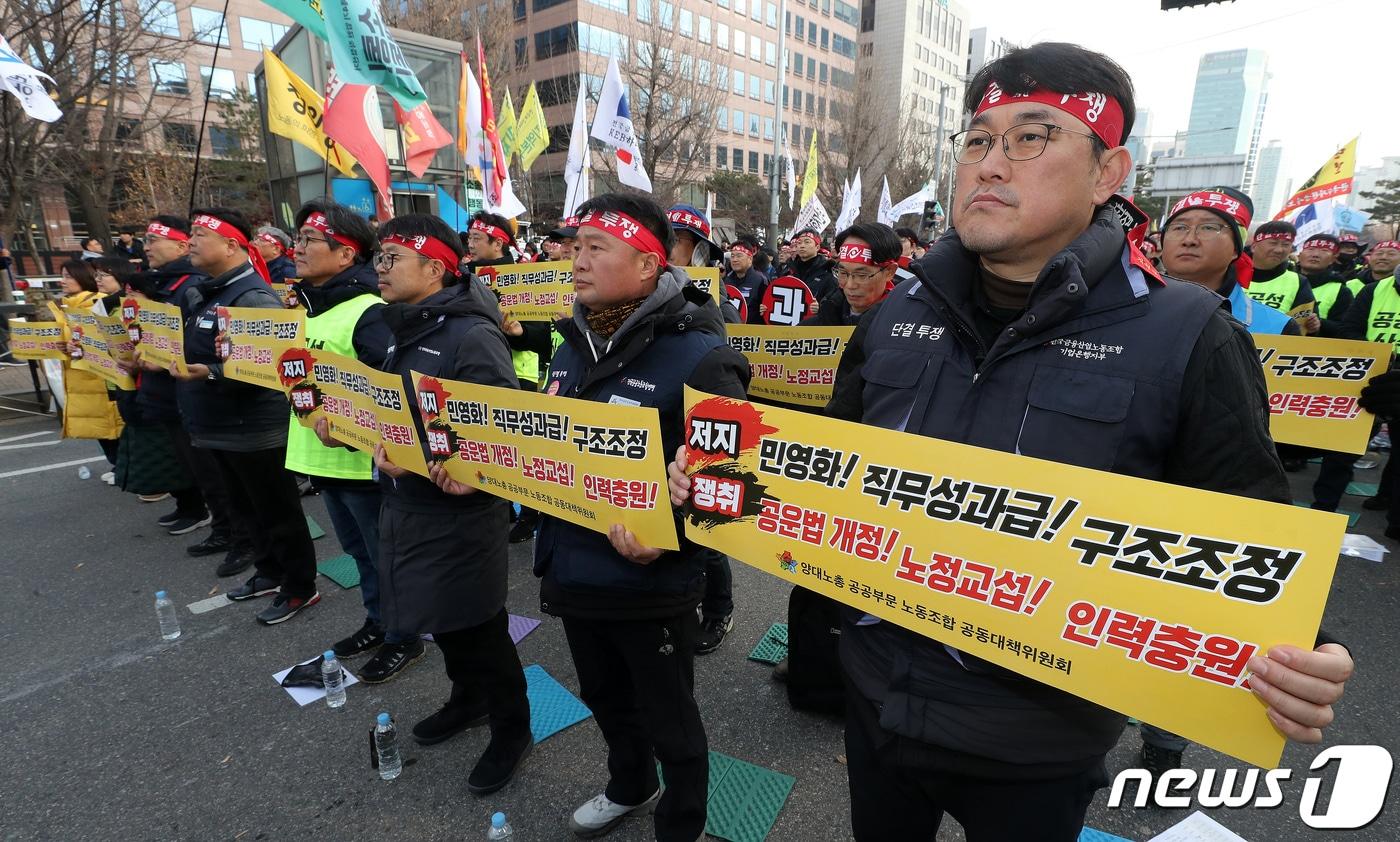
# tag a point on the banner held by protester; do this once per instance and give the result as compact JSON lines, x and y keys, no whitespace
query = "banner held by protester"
{"x":161,"y":331}
{"x":794,"y":365}
{"x":1313,"y":388}
{"x":37,"y":341}
{"x":252,"y":339}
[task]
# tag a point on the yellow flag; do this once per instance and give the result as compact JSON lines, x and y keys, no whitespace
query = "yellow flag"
{"x":1332,"y":179}
{"x":505,"y":124}
{"x":809,"y":177}
{"x":532,"y":133}
{"x":294,"y":112}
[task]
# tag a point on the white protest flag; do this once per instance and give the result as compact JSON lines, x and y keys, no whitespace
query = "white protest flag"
{"x":473,"y":142}
{"x":910,"y":204}
{"x":20,"y":79}
{"x":789,"y":171}
{"x":1315,"y":218}
{"x":850,"y":205}
{"x":576,"y":167}
{"x":813,"y":216}
{"x":883,"y":215}
{"x":612,"y":124}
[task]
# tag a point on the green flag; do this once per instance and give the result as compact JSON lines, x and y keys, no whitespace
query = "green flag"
{"x":305,"y":12}
{"x":505,"y":125}
{"x":364,"y":53}
{"x":532,"y":134}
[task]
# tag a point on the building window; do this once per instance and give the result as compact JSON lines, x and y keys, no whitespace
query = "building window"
{"x":704,"y":30}
{"x":771,"y":15}
{"x":619,"y":6}
{"x":767,"y":128}
{"x":125,"y":72}
{"x":843,"y":46}
{"x":844,"y":12}
{"x":722,"y":156}
{"x":738,"y":42}
{"x":756,"y":11}
{"x":754,"y":85}
{"x":168,"y":77}
{"x":770,"y":91}
{"x":159,"y":16}
{"x":739,"y":160}
{"x":826,"y":34}
{"x":823,"y":74}
{"x":801,"y":29}
{"x":601,"y":42}
{"x":209,"y":26}
{"x":179,"y":136}
{"x":522,"y":52}
{"x":687,"y":23}
{"x":519,"y":9}
{"x":219,"y":82}
{"x":722,"y":118}
{"x":739,"y":82}
{"x":703,"y":74}
{"x":722,"y":36}
{"x":129,"y":131}
{"x":737,"y":120}
{"x":667,"y":14}
{"x":756,"y":48}
{"x":257,"y":34}
{"x":753,"y":162}
{"x":223,"y":141}
{"x":754,"y":124}
{"x":740,"y":8}
{"x":558,"y":41}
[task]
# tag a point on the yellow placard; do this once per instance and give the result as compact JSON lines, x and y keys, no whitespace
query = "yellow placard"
{"x":533,"y":292}
{"x":795,"y":365}
{"x":1313,"y":386}
{"x":160,"y":331}
{"x":593,"y":464}
{"x":707,"y":279}
{"x":1140,"y":596}
{"x":363,"y":406}
{"x":106,"y":349}
{"x":251,"y":340}
{"x":37,"y":341}
{"x":285,"y":295}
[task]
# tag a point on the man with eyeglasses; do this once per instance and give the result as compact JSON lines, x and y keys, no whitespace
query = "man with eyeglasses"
{"x":1203,"y":243}
{"x":971,"y":351}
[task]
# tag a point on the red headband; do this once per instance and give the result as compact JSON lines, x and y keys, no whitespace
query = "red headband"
{"x":1386,"y":244}
{"x":430,"y":247}
{"x":1214,"y":201}
{"x":224,"y":229}
{"x":859,"y":253}
{"x":680,"y":216}
{"x":1102,"y":114}
{"x":1277,"y":235}
{"x":155,"y":229}
{"x":626,"y":229}
{"x":490,"y":230}
{"x":319,"y":222}
{"x":1319,"y":243}
{"x":740,"y":248}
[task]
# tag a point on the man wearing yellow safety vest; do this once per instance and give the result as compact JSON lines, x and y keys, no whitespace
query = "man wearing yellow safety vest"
{"x":1317,"y":264}
{"x":1380,"y":264}
{"x":1276,"y":283}
{"x":488,"y":244}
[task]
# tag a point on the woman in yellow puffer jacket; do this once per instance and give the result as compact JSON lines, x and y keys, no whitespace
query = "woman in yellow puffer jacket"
{"x":88,"y":411}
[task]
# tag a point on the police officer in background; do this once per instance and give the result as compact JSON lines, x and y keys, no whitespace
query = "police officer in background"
{"x":1035,"y":255}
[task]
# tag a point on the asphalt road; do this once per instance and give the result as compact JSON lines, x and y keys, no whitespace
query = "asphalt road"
{"x":113,"y":733}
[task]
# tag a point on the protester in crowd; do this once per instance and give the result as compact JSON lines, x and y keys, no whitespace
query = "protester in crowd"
{"x":93,"y":248}
{"x":1202,"y":243}
{"x":1349,"y":250}
{"x":244,"y":427}
{"x":553,"y":247}
{"x":908,"y":241}
{"x":763,"y":263}
{"x":275,"y":245}
{"x":89,"y":411}
{"x":747,"y":280}
{"x":785,"y":254}
{"x":1317,"y":264}
{"x":1381,"y":261}
{"x":129,"y":248}
{"x":865,"y":272}
{"x":692,"y":230}
{"x":809,"y":265}
{"x":567,"y":235}
{"x":638,"y":334}
{"x":1036,"y":255}
{"x":339,"y":292}
{"x":443,"y":551}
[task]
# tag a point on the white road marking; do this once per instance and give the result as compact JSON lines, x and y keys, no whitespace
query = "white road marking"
{"x":52,"y":467}
{"x":29,"y":436}
{"x":29,"y":444}
{"x":204,"y":606}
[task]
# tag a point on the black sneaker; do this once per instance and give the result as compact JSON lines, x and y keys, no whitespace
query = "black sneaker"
{"x":448,"y":722}
{"x":390,"y":660}
{"x":499,"y":763}
{"x":234,"y":563}
{"x":524,"y":528}
{"x":186,"y":525}
{"x":712,"y":632}
{"x":1157,"y":760}
{"x":255,"y":587}
{"x":213,"y":544}
{"x":284,"y":608}
{"x":368,"y":637}
{"x":164,"y":521}
{"x":1379,"y":503}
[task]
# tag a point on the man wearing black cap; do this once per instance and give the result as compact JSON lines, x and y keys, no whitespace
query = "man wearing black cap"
{"x":1349,"y":250}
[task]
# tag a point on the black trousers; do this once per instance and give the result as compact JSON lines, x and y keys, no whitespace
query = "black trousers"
{"x":718,"y":601}
{"x":891,"y":799}
{"x":265,"y":504}
{"x":201,"y":465}
{"x":484,"y":667}
{"x":638,"y":678}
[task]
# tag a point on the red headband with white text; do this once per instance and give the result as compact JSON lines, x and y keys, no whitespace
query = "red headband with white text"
{"x":1386,"y":244}
{"x":490,"y":230}
{"x":1102,"y":114}
{"x":319,"y":222}
{"x":860,"y":253}
{"x":1274,"y":235}
{"x":1319,"y":243}
{"x":226,"y":230}
{"x":429,"y":247}
{"x":155,"y":229}
{"x":626,"y":229}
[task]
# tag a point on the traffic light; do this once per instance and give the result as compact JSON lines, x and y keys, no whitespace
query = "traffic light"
{"x":930,"y":217}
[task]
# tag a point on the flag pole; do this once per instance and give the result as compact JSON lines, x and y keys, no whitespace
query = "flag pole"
{"x":204,"y":115}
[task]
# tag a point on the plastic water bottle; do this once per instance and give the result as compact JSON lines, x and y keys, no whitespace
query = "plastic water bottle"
{"x":84,"y":473}
{"x":334,"y":680}
{"x":500,"y":828}
{"x":165,"y":613}
{"x":386,"y":745}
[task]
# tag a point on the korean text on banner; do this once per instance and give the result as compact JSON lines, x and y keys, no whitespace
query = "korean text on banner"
{"x":106,"y":347}
{"x":533,"y":292}
{"x":37,"y":341}
{"x":251,"y":340}
{"x":160,"y":331}
{"x":707,"y":279}
{"x":1140,"y":596}
{"x":1313,"y":388}
{"x":364,"y":407}
{"x":794,"y":365}
{"x":593,"y":464}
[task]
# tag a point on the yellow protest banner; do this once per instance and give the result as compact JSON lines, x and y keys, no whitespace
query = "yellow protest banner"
{"x":532,"y":130}
{"x":1140,"y":596}
{"x":251,"y":340}
{"x":1313,"y":386}
{"x":593,"y":464}
{"x":794,"y":365}
{"x":37,"y":341}
{"x":505,"y":125}
{"x":707,"y":278}
{"x":284,"y":292}
{"x":533,"y":292}
{"x":160,"y":332}
{"x":105,"y":349}
{"x":295,"y":111}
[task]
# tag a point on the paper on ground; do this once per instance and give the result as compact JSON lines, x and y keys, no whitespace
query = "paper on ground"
{"x":1360,"y":546}
{"x":1198,"y":827}
{"x":206,"y":605}
{"x":306,"y":695}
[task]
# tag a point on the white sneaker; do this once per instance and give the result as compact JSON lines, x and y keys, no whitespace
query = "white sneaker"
{"x":110,"y":478}
{"x":600,"y":815}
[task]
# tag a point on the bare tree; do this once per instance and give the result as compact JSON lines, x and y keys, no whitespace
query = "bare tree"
{"x":858,"y":134}
{"x":457,"y":21}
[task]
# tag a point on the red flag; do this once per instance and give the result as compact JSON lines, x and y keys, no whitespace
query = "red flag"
{"x":423,"y":136}
{"x":352,"y":119}
{"x":493,"y":158}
